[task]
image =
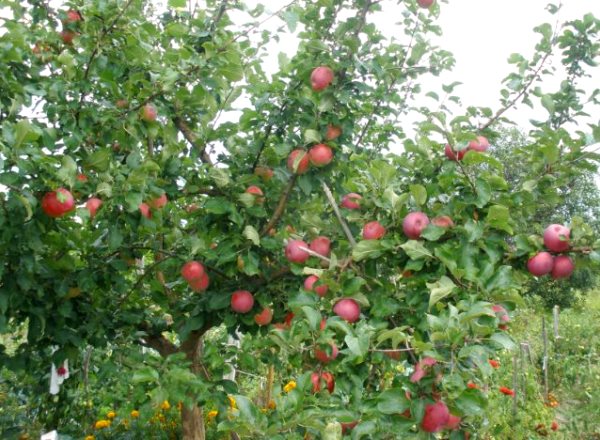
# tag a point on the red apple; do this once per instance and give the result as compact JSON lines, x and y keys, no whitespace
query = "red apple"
{"x":93,"y":205}
{"x":242,"y":301}
{"x":333,"y":132}
{"x":453,"y":422}
{"x":293,"y":252}
{"x":192,"y":270}
{"x":158,"y":202}
{"x":436,"y":417}
{"x":454,"y":155}
{"x":481,"y":144}
{"x":501,"y":312}
{"x":320,"y":78}
{"x":82,"y":177}
{"x":351,"y":201}
{"x":309,"y":284}
{"x":145,"y":210}
{"x":298,"y":161}
{"x":347,"y":309}
{"x":414,"y":223}
{"x":327,"y":377}
{"x":322,"y":356}
{"x":373,"y":231}
{"x":67,"y":36}
{"x":73,"y":16}
{"x":320,"y":155}
{"x":122,"y":103}
{"x":149,"y":113}
{"x":321,"y":245}
{"x":540,"y":264}
{"x":443,"y":221}
{"x":58,"y":203}
{"x":563,"y":267}
{"x":348,"y":426}
{"x":425,"y":3}
{"x":556,"y":238}
{"x":323,"y":324}
{"x":264,"y":317}
{"x":200,"y":284}
{"x":257,"y":192}
{"x":264,"y":173}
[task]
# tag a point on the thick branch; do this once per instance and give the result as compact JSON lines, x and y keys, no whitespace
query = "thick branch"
{"x":160,"y":343}
{"x":280,"y":205}
{"x":191,"y":137}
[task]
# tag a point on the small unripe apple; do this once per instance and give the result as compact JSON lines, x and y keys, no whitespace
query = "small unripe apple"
{"x":426,"y":4}
{"x":192,"y":270}
{"x":436,"y":417}
{"x":540,"y":264}
{"x":67,"y":36}
{"x":309,"y":284}
{"x":351,"y":201}
{"x":563,"y":267}
{"x":320,"y":78}
{"x":320,"y":155}
{"x":122,"y":103}
{"x":145,"y":210}
{"x":373,"y":231}
{"x":443,"y":221}
{"x":556,"y":238}
{"x":58,"y":203}
{"x":454,"y":155}
{"x":333,"y":132}
{"x":264,"y":173}
{"x":257,"y":192}
{"x":481,"y":144}
{"x":93,"y":205}
{"x":293,"y":252}
{"x":158,"y":202}
{"x":149,"y":113}
{"x":322,"y":356}
{"x":347,"y":309}
{"x":298,"y":161}
{"x":242,"y":301}
{"x":200,"y":284}
{"x":321,"y":245}
{"x":264,"y":317}
{"x":414,"y":224}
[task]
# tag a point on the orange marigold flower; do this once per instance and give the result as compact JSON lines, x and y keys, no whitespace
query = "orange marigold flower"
{"x":111,"y":415}
{"x":165,"y":405}
{"x":135,"y":414}
{"x":289,"y":386}
{"x":212,"y":414}
{"x":272,"y":404}
{"x":101,"y":424}
{"x":90,"y":437}
{"x":232,"y":402}
{"x":507,"y":391}
{"x":472,"y":385}
{"x":494,"y":363}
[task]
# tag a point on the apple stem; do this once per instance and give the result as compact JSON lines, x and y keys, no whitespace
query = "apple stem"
{"x":314,"y":254}
{"x":338,"y":214}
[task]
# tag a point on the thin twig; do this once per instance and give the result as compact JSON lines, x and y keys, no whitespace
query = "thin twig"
{"x":314,"y":254}
{"x":280,"y":205}
{"x":260,"y":23}
{"x":338,"y":214}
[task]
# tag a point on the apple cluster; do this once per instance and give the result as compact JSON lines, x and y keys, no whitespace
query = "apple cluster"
{"x":556,"y":239}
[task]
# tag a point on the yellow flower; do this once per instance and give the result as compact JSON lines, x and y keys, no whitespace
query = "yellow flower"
{"x":212,"y":414}
{"x":135,"y":414}
{"x":100,"y":424}
{"x":90,"y":437}
{"x":272,"y":404}
{"x":289,"y":386}
{"x":165,"y":405}
{"x":232,"y":402}
{"x":111,"y":415}
{"x":179,"y":406}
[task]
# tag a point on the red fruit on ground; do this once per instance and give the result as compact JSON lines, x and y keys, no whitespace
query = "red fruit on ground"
{"x":333,"y":132}
{"x":192,"y":270}
{"x":481,"y":144}
{"x":556,"y":238}
{"x":298,"y":161}
{"x":436,"y":417}
{"x":563,"y":267}
{"x":351,"y":201}
{"x":320,"y":155}
{"x":242,"y":301}
{"x":414,"y":224}
{"x":554,"y":426}
{"x":58,"y":203}
{"x":264,"y":317}
{"x":293,"y":252}
{"x":373,"y":231}
{"x":347,"y":309}
{"x":540,"y":264}
{"x":321,"y":245}
{"x":93,"y":205}
{"x":200,"y":284}
{"x":145,"y":210}
{"x":320,"y":78}
{"x":322,"y":356}
{"x":309,"y":284}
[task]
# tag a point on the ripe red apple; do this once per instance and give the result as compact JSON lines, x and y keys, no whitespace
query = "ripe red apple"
{"x":556,"y":238}
{"x":333,"y":132}
{"x":122,"y":103}
{"x":192,"y":270}
{"x":242,"y":301}
{"x":481,"y":144}
{"x":323,"y":324}
{"x":454,"y":155}
{"x":322,"y":356}
{"x":145,"y":210}
{"x":67,"y":36}
{"x":348,"y":426}
{"x":453,"y":422}
{"x":436,"y":417}
{"x":501,"y":312}
{"x":257,"y":192}
{"x":309,"y":284}
{"x":425,"y":3}
{"x":321,"y":245}
{"x":327,"y":377}
{"x":73,"y":16}
{"x":58,"y":203}
{"x":347,"y":309}
{"x":540,"y":264}
{"x":414,"y":223}
{"x":200,"y":284}
{"x":373,"y":231}
{"x":320,"y":155}
{"x":82,"y":178}
{"x":158,"y":202}
{"x":149,"y":113}
{"x":93,"y":205}
{"x":298,"y":161}
{"x":293,"y":252}
{"x":443,"y":221}
{"x":351,"y":201}
{"x":264,"y":317}
{"x":320,"y":78}
{"x":264,"y":173}
{"x":563,"y":267}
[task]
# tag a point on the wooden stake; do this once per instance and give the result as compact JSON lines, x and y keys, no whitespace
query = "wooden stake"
{"x":555,"y":312}
{"x":545,"y":358}
{"x":338,"y":214}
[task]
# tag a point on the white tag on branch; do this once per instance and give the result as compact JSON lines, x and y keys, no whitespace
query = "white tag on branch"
{"x":58,"y":376}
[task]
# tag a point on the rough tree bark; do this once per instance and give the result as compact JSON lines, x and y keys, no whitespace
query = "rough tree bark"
{"x":192,"y":419}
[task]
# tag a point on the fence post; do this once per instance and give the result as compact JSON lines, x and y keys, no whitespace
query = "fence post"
{"x":515,"y":388}
{"x":545,"y":358}
{"x":555,"y":312}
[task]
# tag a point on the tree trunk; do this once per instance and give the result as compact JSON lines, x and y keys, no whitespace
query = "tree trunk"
{"x":192,"y":419}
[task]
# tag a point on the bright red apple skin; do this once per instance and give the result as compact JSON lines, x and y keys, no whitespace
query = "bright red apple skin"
{"x":425,"y":3}
{"x":320,"y":155}
{"x":373,"y":231}
{"x":200,"y":284}
{"x":192,"y":270}
{"x":454,"y":155}
{"x":303,"y":161}
{"x":443,"y":221}
{"x":81,"y":177}
{"x":329,"y":381}
{"x":414,"y":224}
{"x":321,"y":245}
{"x":481,"y":144}
{"x":351,"y":201}
{"x":347,"y":309}
{"x":145,"y":210}
{"x":149,"y":113}
{"x":53,"y":207}
{"x":242,"y":301}
{"x":320,"y":78}
{"x":436,"y":417}
{"x":540,"y":264}
{"x":159,"y":202}
{"x":552,"y":238}
{"x":563,"y":267}
{"x":333,"y":132}
{"x":257,"y":192}
{"x":322,"y":356}
{"x":73,"y":16}
{"x":293,"y":252}
{"x":453,"y":422}
{"x":67,"y":36}
{"x":264,"y":317}
{"x":93,"y":205}
{"x":309,"y":284}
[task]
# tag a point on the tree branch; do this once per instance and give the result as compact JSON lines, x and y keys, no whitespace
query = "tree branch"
{"x":280,"y":205}
{"x":338,"y":214}
{"x":191,"y":137}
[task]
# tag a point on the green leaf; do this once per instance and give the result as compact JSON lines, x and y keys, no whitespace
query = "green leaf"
{"x":252,"y":234}
{"x":392,"y":401}
{"x":24,"y":131}
{"x":176,"y":4}
{"x":415,"y":250}
{"x":498,"y":217}
{"x":503,"y":340}
{"x":432,"y":232}
{"x":145,"y":374}
{"x":220,"y":176}
{"x":440,"y":289}
{"x":311,"y":137}
{"x":99,"y":160}
{"x":291,"y":19}
{"x":313,"y":316}
{"x":548,"y":103}
{"x":358,"y":345}
{"x":419,"y":194}
{"x":367,"y":249}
